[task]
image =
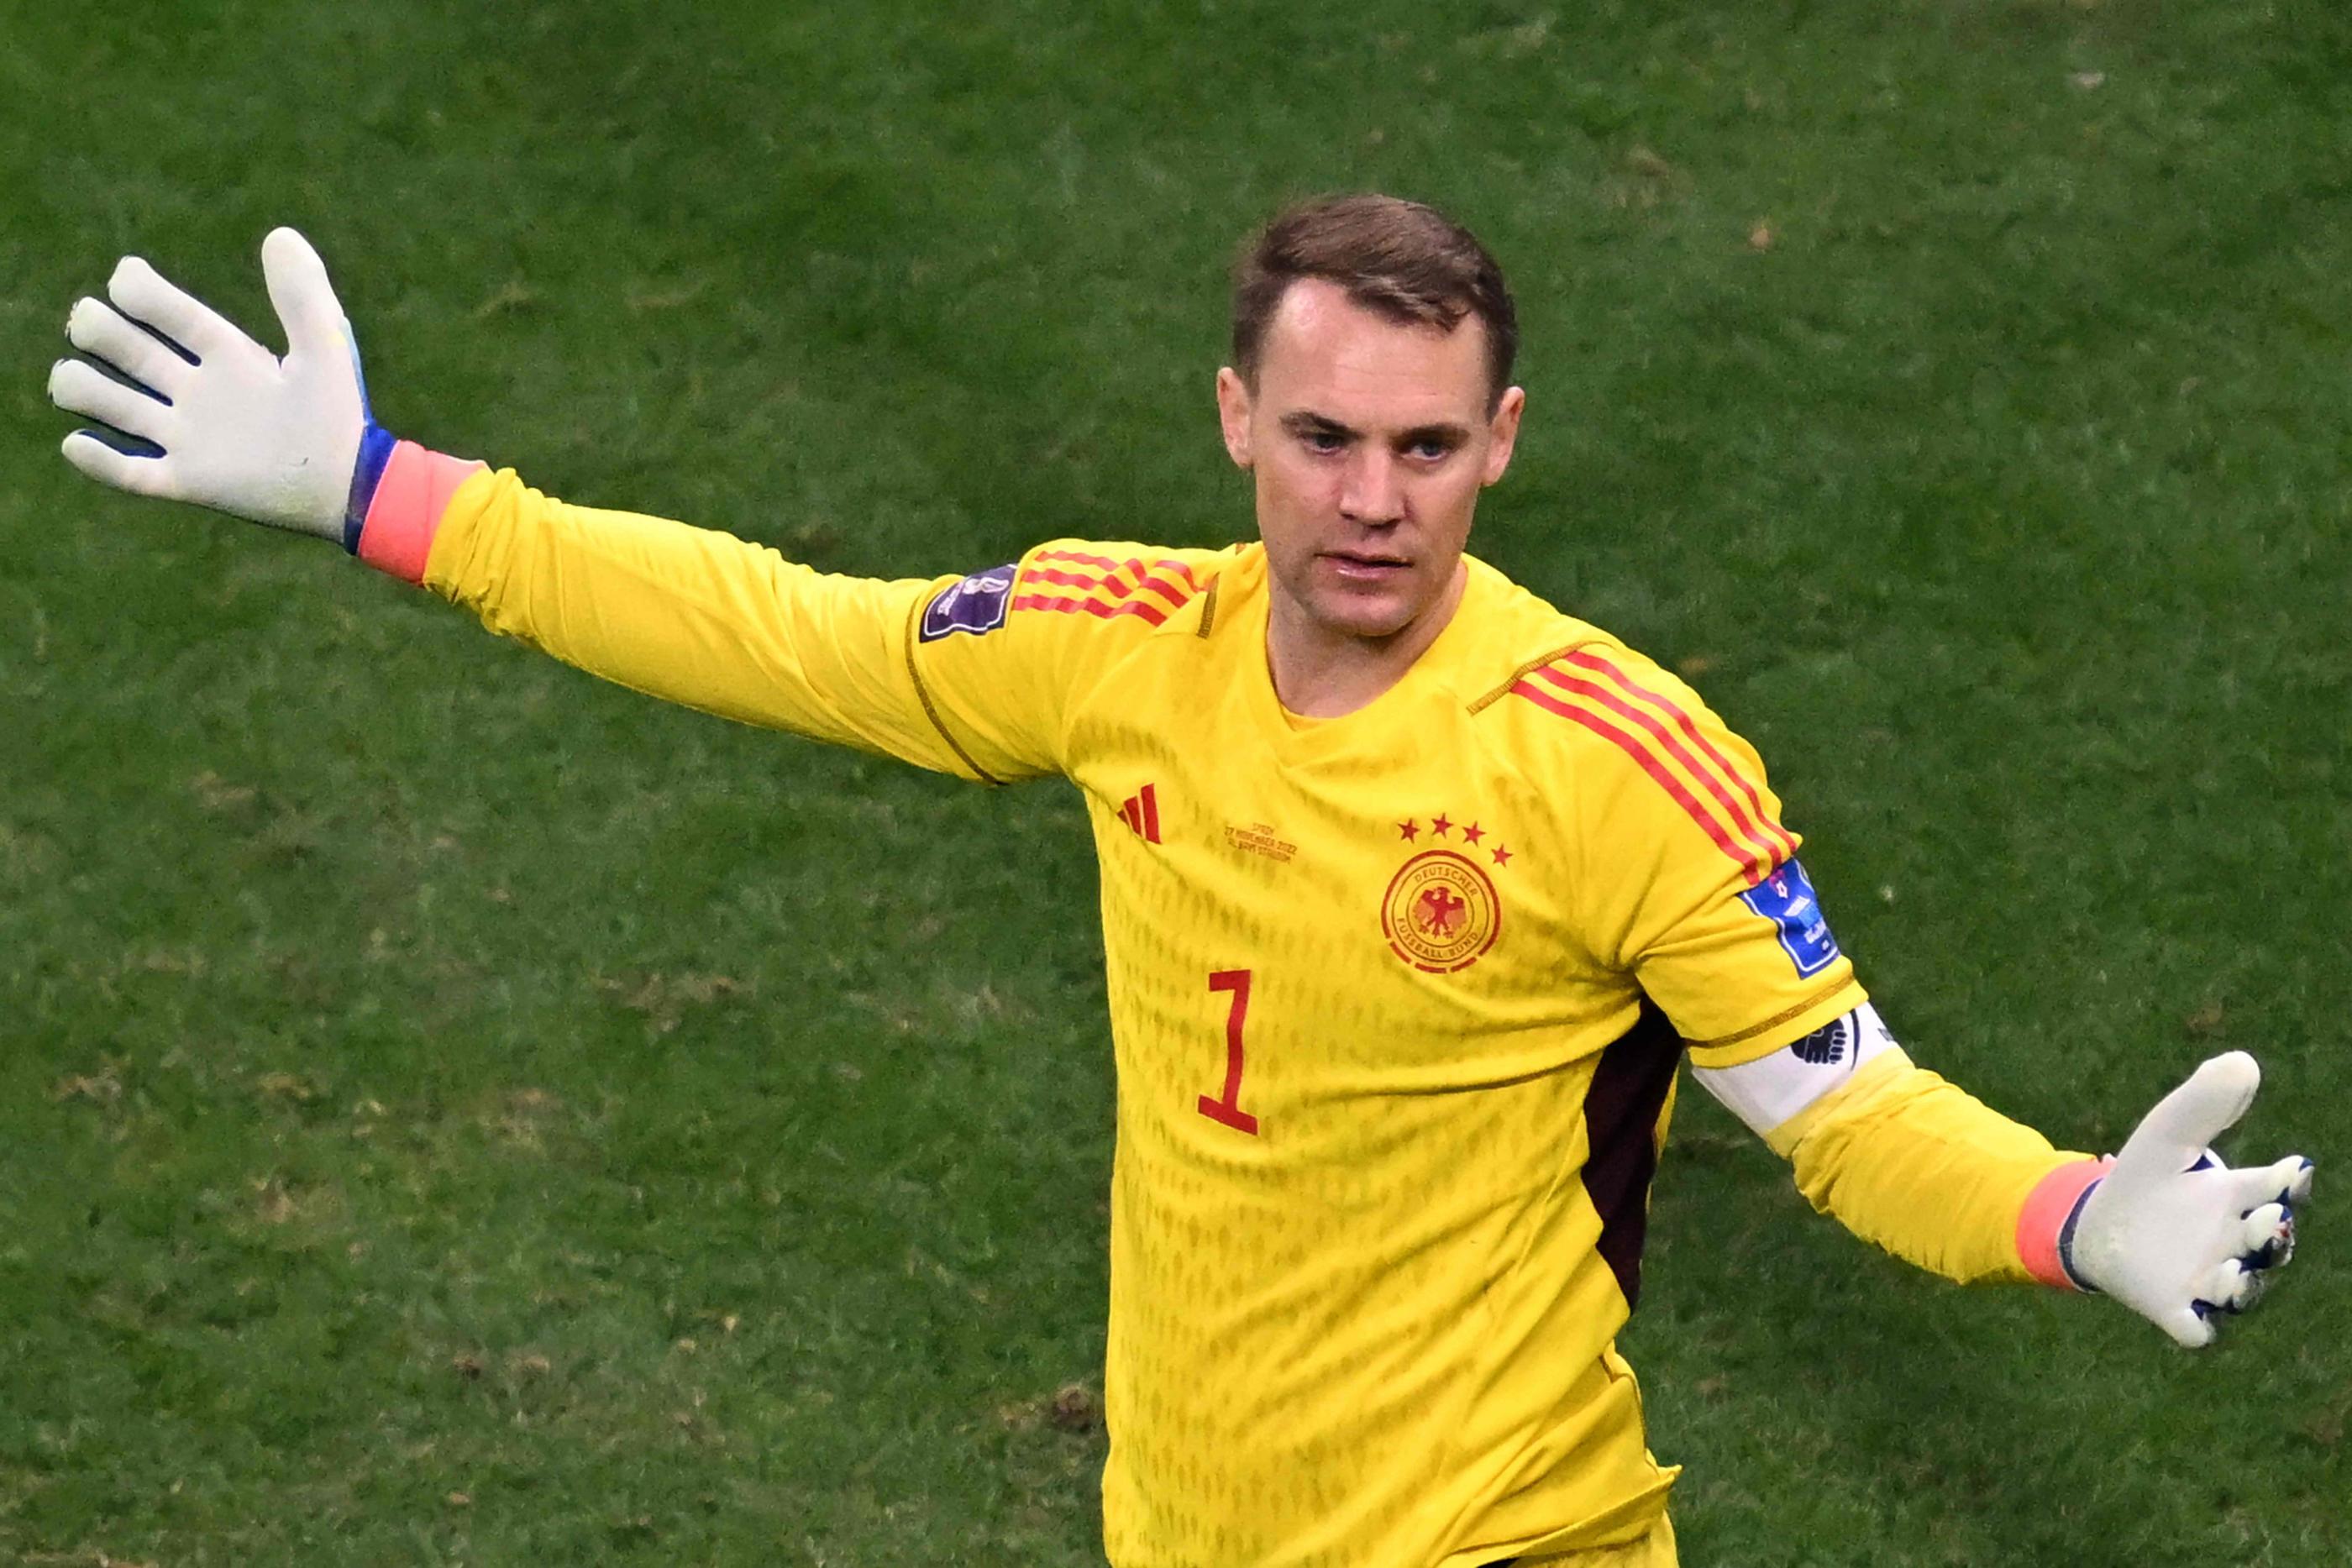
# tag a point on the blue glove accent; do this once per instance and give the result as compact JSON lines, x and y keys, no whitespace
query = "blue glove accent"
{"x":375,"y":450}
{"x":2066,"y":1241}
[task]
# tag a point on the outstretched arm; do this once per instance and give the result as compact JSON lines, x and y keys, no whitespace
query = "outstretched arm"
{"x":1698,"y":893}
{"x":687,"y":614}
{"x":1911,"y":1162}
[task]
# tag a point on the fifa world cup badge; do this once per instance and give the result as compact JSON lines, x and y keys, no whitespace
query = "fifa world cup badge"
{"x":1441,"y":912}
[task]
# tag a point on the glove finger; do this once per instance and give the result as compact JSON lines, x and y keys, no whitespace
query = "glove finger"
{"x":2246,"y":1292}
{"x":304,"y":299}
{"x":2187,"y":1327}
{"x":2258,"y":1282}
{"x":2298,"y":1185}
{"x":138,"y":475}
{"x":79,"y":388}
{"x":2266,"y":1236}
{"x":2171,"y":1137}
{"x":103,"y":332}
{"x":2275,"y":1183}
{"x":2225,"y":1286}
{"x":146,"y":296}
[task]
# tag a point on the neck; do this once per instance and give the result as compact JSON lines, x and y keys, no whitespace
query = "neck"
{"x":1321,"y":673}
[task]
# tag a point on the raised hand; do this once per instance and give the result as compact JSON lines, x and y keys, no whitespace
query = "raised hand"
{"x":242,"y":431}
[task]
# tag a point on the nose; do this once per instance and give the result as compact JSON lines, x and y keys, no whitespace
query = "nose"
{"x":1370,"y":490}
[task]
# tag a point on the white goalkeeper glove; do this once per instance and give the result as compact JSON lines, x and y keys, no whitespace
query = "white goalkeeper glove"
{"x":2172,"y":1232}
{"x":283,"y":441}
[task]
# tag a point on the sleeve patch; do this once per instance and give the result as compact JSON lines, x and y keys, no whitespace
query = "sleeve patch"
{"x":977,"y":605}
{"x":1786,"y":898}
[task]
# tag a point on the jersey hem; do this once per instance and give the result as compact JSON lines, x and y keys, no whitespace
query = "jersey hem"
{"x":1618,"y":1525}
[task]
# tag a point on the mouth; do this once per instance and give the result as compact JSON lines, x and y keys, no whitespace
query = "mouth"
{"x":1366,"y":565}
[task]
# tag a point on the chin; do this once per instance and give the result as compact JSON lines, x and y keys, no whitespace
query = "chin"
{"x":1367,"y":617}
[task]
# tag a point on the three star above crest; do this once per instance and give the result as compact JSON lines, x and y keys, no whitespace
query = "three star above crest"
{"x":1440,"y":825}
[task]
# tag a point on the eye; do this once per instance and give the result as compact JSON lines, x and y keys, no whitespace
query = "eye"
{"x":1323,"y":440}
{"x":1430,"y":449}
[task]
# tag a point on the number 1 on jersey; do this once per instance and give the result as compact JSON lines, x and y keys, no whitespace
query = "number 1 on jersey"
{"x":1226,"y":1107}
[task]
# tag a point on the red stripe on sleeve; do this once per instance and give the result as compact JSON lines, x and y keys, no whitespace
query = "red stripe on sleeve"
{"x":1151,"y":613}
{"x":1776,"y":838}
{"x":1109,"y":584}
{"x":1105,"y":563}
{"x":1772,"y":849}
{"x":1746,"y":859}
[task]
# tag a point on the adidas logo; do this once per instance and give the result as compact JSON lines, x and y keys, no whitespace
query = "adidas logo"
{"x":1141,"y":813}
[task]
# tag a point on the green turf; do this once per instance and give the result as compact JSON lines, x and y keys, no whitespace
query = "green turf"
{"x":450,"y":1111}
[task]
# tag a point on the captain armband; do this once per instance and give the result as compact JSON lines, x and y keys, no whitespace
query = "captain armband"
{"x":1768,"y":1093}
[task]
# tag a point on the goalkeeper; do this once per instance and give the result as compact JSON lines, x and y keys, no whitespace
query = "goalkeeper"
{"x":1416,"y":894}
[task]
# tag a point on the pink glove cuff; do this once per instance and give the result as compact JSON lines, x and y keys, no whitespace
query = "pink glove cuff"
{"x":406,"y":508}
{"x":2042,"y":1223}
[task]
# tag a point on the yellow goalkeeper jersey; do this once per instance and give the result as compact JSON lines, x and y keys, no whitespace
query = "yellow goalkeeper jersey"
{"x":1397,"y":998}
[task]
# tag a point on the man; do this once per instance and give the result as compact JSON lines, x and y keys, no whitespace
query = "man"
{"x":1415,"y":893}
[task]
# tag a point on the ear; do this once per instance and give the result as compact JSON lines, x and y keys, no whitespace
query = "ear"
{"x":1503,"y":433}
{"x":1233,"y":415}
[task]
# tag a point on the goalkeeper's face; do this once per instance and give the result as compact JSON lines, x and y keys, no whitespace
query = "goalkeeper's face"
{"x":1368,"y":439}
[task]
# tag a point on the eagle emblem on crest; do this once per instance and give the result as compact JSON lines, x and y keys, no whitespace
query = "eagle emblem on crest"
{"x":1441,"y":913}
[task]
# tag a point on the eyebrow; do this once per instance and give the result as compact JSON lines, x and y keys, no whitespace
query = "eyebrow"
{"x":1306,"y":423}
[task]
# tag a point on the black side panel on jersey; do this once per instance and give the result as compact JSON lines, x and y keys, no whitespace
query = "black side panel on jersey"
{"x":1620,"y":1117}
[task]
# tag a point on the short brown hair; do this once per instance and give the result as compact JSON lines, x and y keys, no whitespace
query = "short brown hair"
{"x":1408,"y":262}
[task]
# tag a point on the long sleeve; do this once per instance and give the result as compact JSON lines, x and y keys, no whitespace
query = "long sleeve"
{"x":975,"y":676}
{"x":692,"y":616}
{"x":1921,"y":1167}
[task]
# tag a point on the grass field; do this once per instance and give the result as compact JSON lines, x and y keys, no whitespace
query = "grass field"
{"x":451,"y":1111}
